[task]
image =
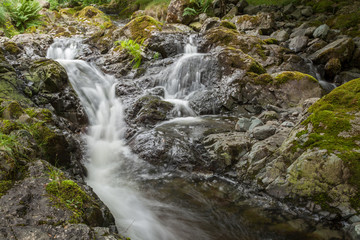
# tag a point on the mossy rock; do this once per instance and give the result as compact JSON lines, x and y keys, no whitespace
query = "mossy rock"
{"x":94,"y":16}
{"x":232,"y":59}
{"x":67,"y":194}
{"x":47,"y":76}
{"x":11,"y":48}
{"x":10,"y":85}
{"x":334,"y":126}
{"x":227,"y":24}
{"x":226,"y":37}
{"x":284,"y":77}
{"x":11,"y":110}
{"x":141,"y":28}
{"x":149,"y":110}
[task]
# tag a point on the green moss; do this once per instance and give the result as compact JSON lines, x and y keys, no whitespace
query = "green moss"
{"x":287,"y":76}
{"x":5,"y":186}
{"x":323,"y":6}
{"x":68,"y":194}
{"x":12,"y":48}
{"x":263,"y":79}
{"x":331,"y":121}
{"x":256,"y":67}
{"x":94,"y":16}
{"x":142,"y":27}
{"x":42,"y":114}
{"x":271,"y":41}
{"x":7,"y":126}
{"x":345,"y":22}
{"x":223,"y":36}
{"x":227,"y":24}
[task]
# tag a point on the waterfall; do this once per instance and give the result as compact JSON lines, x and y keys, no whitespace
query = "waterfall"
{"x":112,"y":168}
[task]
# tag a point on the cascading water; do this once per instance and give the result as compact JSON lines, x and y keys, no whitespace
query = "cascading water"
{"x":111,"y":166}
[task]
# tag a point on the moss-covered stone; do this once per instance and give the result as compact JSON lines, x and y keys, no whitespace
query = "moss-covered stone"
{"x":5,"y":186}
{"x":271,"y":41}
{"x":227,"y":24}
{"x":141,"y":28}
{"x":94,"y":16}
{"x":67,"y":194}
{"x":334,"y":126}
{"x":149,"y":110}
{"x":284,"y":77}
{"x":11,"y":48}
{"x":11,"y":110}
{"x":47,"y":76}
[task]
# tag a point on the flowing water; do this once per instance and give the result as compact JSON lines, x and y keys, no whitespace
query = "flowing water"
{"x":152,"y":205}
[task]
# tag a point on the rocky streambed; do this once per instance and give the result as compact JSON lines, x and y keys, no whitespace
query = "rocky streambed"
{"x":230,"y":136}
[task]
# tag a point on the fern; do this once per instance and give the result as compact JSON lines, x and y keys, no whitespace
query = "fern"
{"x":200,"y":6}
{"x":134,"y":49}
{"x":23,"y":13}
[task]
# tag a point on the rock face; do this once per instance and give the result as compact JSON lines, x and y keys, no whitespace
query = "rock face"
{"x":175,"y":12}
{"x":263,"y":23}
{"x":318,"y":161}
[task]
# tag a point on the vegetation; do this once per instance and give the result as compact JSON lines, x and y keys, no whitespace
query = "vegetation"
{"x":23,"y":13}
{"x":134,"y":49}
{"x":148,"y":3}
{"x":270,"y":2}
{"x":199,"y":6}
{"x":3,"y":15}
{"x":55,"y":4}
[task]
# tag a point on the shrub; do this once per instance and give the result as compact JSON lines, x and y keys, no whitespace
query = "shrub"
{"x":2,"y":15}
{"x":134,"y":49}
{"x":200,"y":6}
{"x":23,"y":13}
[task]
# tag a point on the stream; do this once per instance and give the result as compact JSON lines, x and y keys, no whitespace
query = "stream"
{"x":153,"y":204}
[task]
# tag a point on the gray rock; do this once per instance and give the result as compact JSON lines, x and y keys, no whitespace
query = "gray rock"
{"x":280,"y":35}
{"x":307,"y":11}
{"x":297,"y":14}
{"x":355,"y":231}
{"x":287,"y":124}
{"x":243,"y":124}
{"x":203,"y":17}
{"x":255,"y":122}
{"x":297,"y":44}
{"x":232,"y":13}
{"x":346,"y":76}
{"x":342,"y":49}
{"x":321,"y":31}
{"x":263,"y":132}
{"x":210,"y":23}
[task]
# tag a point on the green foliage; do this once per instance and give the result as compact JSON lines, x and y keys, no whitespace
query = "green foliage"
{"x":199,"y":6}
{"x":148,"y":3}
{"x":3,"y":15}
{"x":23,"y":13}
{"x":134,"y":49}
{"x":55,"y":4}
{"x":271,"y":2}
{"x":7,"y":142}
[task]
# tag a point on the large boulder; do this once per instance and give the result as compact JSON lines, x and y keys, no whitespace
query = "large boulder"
{"x":342,"y":49}
{"x":319,"y":159}
{"x":141,"y":28}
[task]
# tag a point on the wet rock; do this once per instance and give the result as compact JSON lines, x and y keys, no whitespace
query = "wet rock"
{"x":167,"y":44}
{"x":175,"y":12}
{"x":149,"y":110}
{"x":47,"y":76}
{"x":342,"y":49}
{"x":205,"y":102}
{"x":227,"y":148}
{"x":33,"y":45}
{"x":263,"y":132}
{"x":262,"y":22}
{"x":298,"y":43}
{"x":321,"y":31}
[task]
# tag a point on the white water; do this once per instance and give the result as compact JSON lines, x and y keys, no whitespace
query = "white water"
{"x":183,"y":79}
{"x":111,"y":165}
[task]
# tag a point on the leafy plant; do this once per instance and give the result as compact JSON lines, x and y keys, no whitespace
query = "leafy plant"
{"x":200,"y":6}
{"x":134,"y":49}
{"x":23,"y":13}
{"x":2,"y":15}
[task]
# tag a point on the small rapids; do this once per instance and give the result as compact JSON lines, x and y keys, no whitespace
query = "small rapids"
{"x":111,"y":166}
{"x":152,"y":205}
